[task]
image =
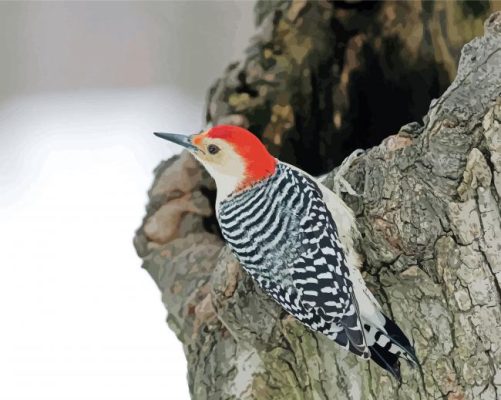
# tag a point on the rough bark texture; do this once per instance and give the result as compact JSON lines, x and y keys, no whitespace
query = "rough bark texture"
{"x":429,"y":211}
{"x":325,"y":78}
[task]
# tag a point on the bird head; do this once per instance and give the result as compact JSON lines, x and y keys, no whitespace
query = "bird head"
{"x":234,"y":157}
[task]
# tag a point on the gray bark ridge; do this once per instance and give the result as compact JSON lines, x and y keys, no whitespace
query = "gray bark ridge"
{"x":429,"y":212}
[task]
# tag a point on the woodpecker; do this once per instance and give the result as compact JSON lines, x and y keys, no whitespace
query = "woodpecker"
{"x":296,"y":239}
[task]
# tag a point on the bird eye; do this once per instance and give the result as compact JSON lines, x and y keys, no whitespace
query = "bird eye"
{"x":212,"y":148}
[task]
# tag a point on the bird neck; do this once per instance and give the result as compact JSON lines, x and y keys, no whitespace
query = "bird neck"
{"x":257,"y":170}
{"x":229,"y":185}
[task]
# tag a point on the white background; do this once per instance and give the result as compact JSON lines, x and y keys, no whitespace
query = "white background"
{"x":82,"y":86}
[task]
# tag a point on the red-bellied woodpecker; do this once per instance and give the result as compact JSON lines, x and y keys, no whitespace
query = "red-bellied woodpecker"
{"x":296,"y":239}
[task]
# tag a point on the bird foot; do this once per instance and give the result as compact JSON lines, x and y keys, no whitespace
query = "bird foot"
{"x":339,"y":183}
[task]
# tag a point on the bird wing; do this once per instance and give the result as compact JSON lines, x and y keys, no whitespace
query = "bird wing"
{"x":319,"y":273}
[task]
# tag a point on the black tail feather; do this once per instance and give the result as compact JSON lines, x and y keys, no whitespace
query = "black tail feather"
{"x":386,"y":360}
{"x":398,"y":337}
{"x":388,"y":345}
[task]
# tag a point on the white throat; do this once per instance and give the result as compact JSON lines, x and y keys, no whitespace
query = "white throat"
{"x":226,"y":184}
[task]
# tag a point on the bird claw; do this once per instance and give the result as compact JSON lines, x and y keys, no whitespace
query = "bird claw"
{"x":344,"y":186}
{"x":340,"y":184}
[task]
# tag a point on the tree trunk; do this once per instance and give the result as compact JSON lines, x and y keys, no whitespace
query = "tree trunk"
{"x":428,"y":208}
{"x":324,"y":78}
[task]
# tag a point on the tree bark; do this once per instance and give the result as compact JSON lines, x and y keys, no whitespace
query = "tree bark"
{"x":428,"y":207}
{"x":324,"y":78}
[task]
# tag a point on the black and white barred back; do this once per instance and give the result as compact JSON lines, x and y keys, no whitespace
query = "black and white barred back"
{"x":283,"y":235}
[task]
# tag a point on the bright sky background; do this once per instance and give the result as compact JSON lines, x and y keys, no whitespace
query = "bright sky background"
{"x":82,"y":86}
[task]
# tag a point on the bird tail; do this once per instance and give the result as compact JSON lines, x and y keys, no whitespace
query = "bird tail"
{"x":388,"y":344}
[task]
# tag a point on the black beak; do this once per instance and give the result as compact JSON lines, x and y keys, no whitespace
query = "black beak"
{"x":181,"y":140}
